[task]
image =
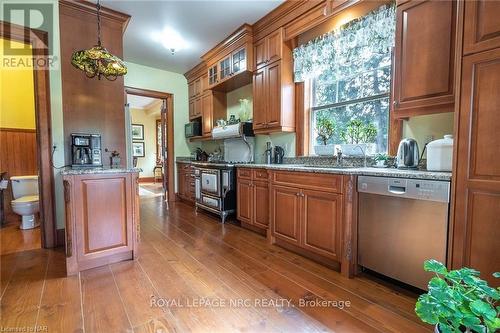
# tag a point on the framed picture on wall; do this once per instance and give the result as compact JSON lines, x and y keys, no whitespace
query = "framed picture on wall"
{"x":138,"y":149}
{"x":137,"y":132}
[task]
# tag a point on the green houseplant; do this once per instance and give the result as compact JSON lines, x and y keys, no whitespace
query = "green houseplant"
{"x":381,"y":159}
{"x":325,"y":128}
{"x":459,"y":301}
{"x":358,"y":133}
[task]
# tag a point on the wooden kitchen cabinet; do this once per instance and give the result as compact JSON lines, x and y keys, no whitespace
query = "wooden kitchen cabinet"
{"x":213,"y":107}
{"x":273,"y":99}
{"x":482,"y":31}
{"x":321,"y":220}
{"x":477,"y":173}
{"x":230,"y":63}
{"x":102,"y":219}
{"x":308,"y":212}
{"x":244,"y":200}
{"x":285,"y":213}
{"x":261,"y":204}
{"x":185,"y":182}
{"x":424,"y":68}
{"x":269,"y":48}
{"x":253,"y":198}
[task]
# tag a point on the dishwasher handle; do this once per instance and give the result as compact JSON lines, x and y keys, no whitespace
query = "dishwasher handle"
{"x":397,"y":189}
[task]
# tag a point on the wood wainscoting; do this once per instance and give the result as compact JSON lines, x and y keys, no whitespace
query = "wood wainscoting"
{"x":19,"y":156}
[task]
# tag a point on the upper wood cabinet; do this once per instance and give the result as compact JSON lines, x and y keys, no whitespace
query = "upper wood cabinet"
{"x":482,"y":31}
{"x":269,"y":48}
{"x":197,"y":84}
{"x":213,"y":107}
{"x":230,"y":63}
{"x":424,"y":58}
{"x":273,"y":99}
{"x":477,"y":201}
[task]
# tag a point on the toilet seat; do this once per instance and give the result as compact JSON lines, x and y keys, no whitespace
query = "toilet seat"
{"x":25,"y":201}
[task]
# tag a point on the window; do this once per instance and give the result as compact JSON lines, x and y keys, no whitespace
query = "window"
{"x":363,"y":96}
{"x":349,"y":70}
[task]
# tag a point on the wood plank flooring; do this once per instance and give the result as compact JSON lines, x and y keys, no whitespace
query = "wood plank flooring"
{"x":187,"y":258}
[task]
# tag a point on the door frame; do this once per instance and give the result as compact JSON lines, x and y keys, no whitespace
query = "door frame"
{"x":169,"y":100}
{"x":39,"y":39}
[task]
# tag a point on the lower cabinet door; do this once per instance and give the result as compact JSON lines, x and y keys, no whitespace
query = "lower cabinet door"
{"x":285,"y":213}
{"x":104,"y":218}
{"x":244,"y":200}
{"x":321,"y":221}
{"x":261,"y":204}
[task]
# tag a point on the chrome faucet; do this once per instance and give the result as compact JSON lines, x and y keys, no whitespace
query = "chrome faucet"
{"x":364,"y":153}
{"x":340,"y":159}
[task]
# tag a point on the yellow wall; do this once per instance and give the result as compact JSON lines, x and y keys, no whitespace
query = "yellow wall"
{"x":17,"y":102}
{"x":148,"y":119}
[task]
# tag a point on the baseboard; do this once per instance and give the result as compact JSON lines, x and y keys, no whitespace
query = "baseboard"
{"x":146,"y":179}
{"x":60,"y":237}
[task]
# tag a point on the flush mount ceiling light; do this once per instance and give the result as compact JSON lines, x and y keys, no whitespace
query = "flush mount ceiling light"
{"x":171,"y":40}
{"x":97,"y":61}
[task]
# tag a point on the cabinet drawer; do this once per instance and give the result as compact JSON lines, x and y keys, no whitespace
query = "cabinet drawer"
{"x":260,"y":174}
{"x":245,"y":173}
{"x":321,"y":181}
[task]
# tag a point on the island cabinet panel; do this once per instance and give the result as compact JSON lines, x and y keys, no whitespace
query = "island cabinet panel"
{"x":424,"y":58}
{"x":476,"y":215}
{"x":482,"y":31}
{"x":102,"y":219}
{"x":285,"y":213}
{"x":322,"y":222}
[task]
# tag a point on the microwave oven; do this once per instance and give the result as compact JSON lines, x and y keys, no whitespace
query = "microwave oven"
{"x":192,"y":129}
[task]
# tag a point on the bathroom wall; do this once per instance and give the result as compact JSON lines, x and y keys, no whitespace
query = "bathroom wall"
{"x":428,"y":128}
{"x":147,"y":117}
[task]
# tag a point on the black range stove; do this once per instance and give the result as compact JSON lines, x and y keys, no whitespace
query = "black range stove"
{"x":215,"y":187}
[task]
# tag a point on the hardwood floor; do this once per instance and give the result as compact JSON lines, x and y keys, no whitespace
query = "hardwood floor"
{"x":13,"y":239}
{"x":185,"y":258}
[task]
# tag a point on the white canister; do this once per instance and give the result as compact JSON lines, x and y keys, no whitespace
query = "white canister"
{"x":440,"y":154}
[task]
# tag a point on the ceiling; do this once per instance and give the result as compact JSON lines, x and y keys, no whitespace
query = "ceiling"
{"x":202,"y":24}
{"x":140,"y":102}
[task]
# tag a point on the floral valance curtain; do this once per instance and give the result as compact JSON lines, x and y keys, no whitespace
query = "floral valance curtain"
{"x":348,"y":49}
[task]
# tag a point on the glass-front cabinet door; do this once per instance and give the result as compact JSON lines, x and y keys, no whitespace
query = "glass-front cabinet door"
{"x":239,"y":59}
{"x":225,"y":67}
{"x":212,"y":75}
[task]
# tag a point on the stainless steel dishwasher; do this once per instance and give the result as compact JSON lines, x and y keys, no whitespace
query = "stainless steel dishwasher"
{"x":401,"y":223}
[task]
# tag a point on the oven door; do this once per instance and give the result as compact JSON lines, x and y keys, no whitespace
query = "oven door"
{"x":210,"y":182}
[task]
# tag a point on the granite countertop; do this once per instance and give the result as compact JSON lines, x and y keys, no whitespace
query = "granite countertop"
{"x":368,"y":171}
{"x":89,"y":171}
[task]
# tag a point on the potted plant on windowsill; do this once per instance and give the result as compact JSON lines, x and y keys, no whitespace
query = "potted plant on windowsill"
{"x":459,"y":301}
{"x":325,"y":127}
{"x":381,"y":160}
{"x":358,"y":134}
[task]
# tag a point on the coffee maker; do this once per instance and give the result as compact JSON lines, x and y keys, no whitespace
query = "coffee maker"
{"x":86,"y":150}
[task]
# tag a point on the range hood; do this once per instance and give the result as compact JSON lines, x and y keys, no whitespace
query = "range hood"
{"x":232,"y":131}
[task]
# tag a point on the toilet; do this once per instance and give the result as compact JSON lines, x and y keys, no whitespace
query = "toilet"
{"x":25,"y":203}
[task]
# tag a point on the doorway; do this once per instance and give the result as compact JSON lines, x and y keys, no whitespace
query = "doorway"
{"x":26,"y":147}
{"x":151,"y":147}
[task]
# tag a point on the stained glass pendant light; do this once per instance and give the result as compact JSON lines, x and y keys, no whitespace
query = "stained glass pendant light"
{"x":97,"y":61}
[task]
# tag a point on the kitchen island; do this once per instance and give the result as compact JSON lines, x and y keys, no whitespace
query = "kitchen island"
{"x":102,"y":216}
